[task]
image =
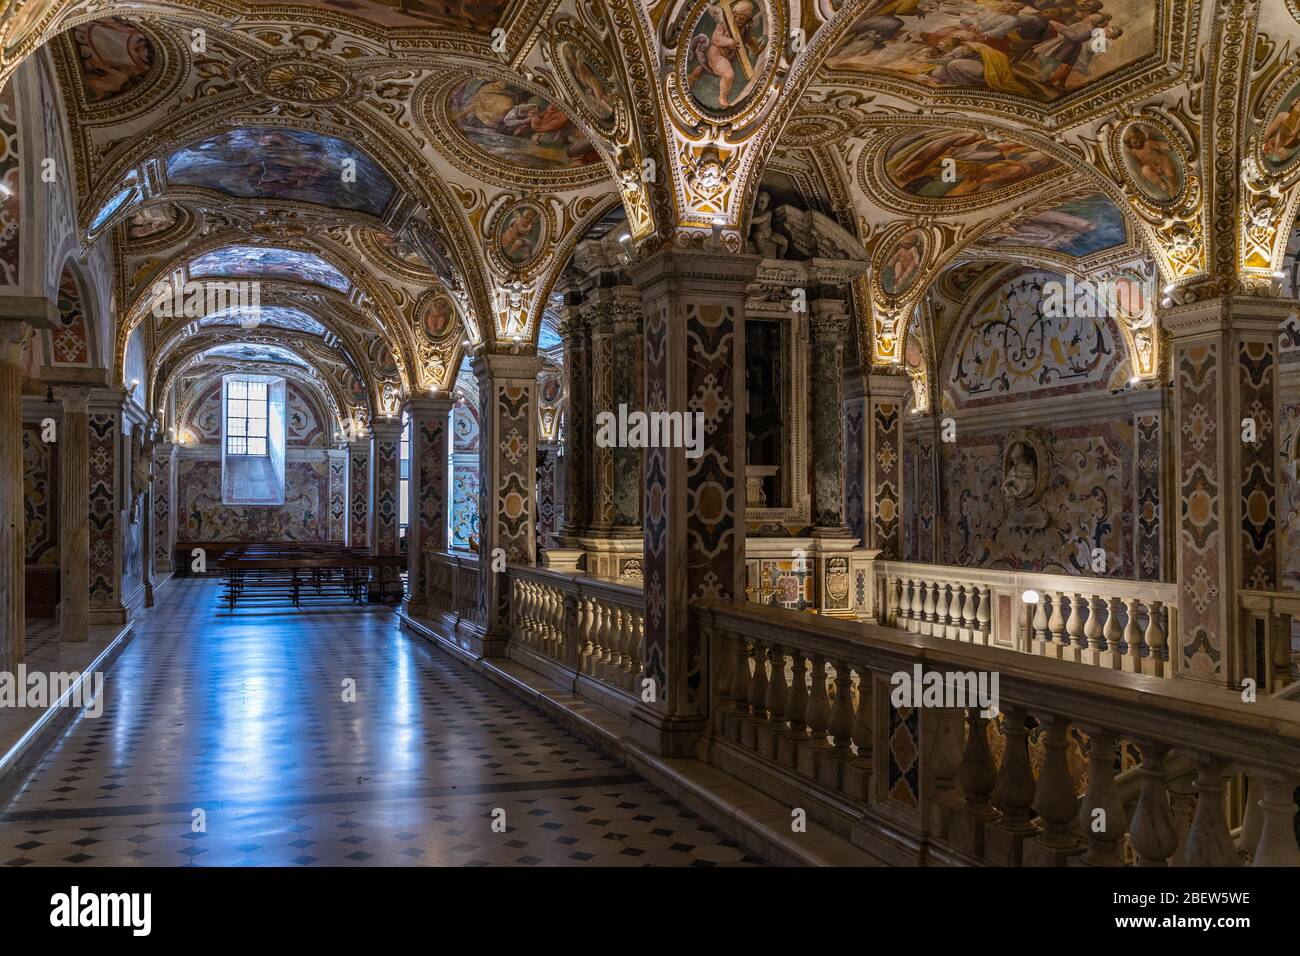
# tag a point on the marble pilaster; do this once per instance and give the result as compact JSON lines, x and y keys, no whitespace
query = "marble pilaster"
{"x":74,"y":515}
{"x":694,"y":543}
{"x":427,"y":508}
{"x":507,"y":490}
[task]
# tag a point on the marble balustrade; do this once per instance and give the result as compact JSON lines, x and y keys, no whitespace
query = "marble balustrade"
{"x":804,"y":706}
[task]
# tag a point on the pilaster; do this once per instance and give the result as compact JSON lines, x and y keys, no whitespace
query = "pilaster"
{"x":508,"y":510}
{"x":1225,"y":353}
{"x":694,"y":543}
{"x":13,"y":572}
{"x":427,"y":507}
{"x":358,"y":493}
{"x":74,"y":516}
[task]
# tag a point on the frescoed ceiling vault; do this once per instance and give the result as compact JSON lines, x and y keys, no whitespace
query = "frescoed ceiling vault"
{"x":410,"y":179}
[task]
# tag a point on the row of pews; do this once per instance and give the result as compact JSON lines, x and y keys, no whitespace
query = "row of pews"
{"x":303,"y":575}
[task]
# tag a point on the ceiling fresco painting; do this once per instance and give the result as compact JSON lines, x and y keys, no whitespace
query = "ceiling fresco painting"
{"x":1077,"y":227}
{"x":729,"y":50}
{"x":257,"y":262}
{"x":517,"y":127}
{"x":1041,"y":50}
{"x":956,"y":163}
{"x":116,"y":56}
{"x":478,"y":16}
{"x":284,"y":164}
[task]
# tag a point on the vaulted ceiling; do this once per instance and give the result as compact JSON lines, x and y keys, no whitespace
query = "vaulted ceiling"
{"x":411,"y":178}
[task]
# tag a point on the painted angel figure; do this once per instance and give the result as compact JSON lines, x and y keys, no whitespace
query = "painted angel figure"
{"x":714,"y":53}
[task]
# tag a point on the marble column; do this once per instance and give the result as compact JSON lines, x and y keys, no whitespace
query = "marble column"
{"x":873,"y":439}
{"x":507,"y":491}
{"x":109,"y":506}
{"x":829,"y":325}
{"x":694,"y":544}
{"x":12,"y":514}
{"x":427,"y":506}
{"x":164,"y":510}
{"x":579,"y":435}
{"x":599,"y":311}
{"x":385,"y":476}
{"x":359,"y":493}
{"x":629,"y":390}
{"x":336,"y":460}
{"x":74,"y":515}
{"x":922,"y":472}
{"x":1225,"y":369}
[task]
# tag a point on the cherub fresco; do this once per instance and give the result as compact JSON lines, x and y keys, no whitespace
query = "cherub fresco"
{"x":517,"y":126}
{"x":730,"y":38}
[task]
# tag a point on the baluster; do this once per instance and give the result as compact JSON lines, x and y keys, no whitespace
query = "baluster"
{"x":774,"y":701}
{"x":1054,"y":799}
{"x":1209,"y":842}
{"x":1277,"y":840}
{"x":857,"y":782}
{"x":1154,"y":664}
{"x":818,"y":716}
{"x":984,"y":616}
{"x":608,"y":628}
{"x":551,"y":612}
{"x":840,"y":725}
{"x":627,"y":647}
{"x":1013,"y":792}
{"x":977,"y":775}
{"x":1132,"y":662}
{"x":927,"y":609}
{"x":1103,"y":817}
{"x":969,"y":619}
{"x":1091,"y":651}
{"x":638,"y":656}
{"x":1110,"y":635}
{"x":1152,"y":831}
{"x":1056,"y":627}
{"x":740,"y":679}
{"x":1039,"y":625}
{"x":918,"y":607}
{"x":958,"y":613}
{"x":584,"y":632}
{"x":796,"y":708}
{"x":1074,"y":629}
{"x":758,"y":684}
{"x":892,"y":587}
{"x":941,"y":612}
{"x":945,"y":759}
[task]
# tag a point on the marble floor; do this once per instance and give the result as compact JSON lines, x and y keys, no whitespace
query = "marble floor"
{"x":327,"y":737}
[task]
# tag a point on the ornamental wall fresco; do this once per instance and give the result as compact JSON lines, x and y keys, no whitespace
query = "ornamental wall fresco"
{"x":304,"y":516}
{"x":1089,"y":501}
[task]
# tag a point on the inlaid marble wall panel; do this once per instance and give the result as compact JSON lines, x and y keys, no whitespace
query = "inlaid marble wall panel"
{"x":854,"y":450}
{"x":338,"y":487}
{"x":201,"y":516}
{"x":548,"y":503}
{"x":1257,"y":374}
{"x":919,"y":497}
{"x":104,"y":509}
{"x":40,"y":498}
{"x":1088,"y":502}
{"x":162,"y":502}
{"x":1289,"y":493}
{"x":1200,"y":533}
{"x":886,"y":424}
{"x":385,"y":467}
{"x":1150,"y":518}
{"x":359,"y":498}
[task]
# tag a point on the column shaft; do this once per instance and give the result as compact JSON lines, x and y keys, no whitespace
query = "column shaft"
{"x":829,"y":325}
{"x":629,"y":390}
{"x":427,"y":506}
{"x":694,"y":543}
{"x":12,"y":516}
{"x":74,"y":516}
{"x":359,"y":494}
{"x":508,"y":472}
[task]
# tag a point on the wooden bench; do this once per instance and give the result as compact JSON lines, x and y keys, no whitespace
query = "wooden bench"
{"x":306,"y":574}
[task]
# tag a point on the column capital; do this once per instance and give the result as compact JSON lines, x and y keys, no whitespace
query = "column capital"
{"x":896,"y":385}
{"x":386,"y":428}
{"x":360,"y":446}
{"x":37,"y":311}
{"x":506,"y":366}
{"x":1227,"y":314}
{"x":828,"y":320}
{"x":76,"y":399}
{"x":427,"y":406}
{"x":672,"y":271}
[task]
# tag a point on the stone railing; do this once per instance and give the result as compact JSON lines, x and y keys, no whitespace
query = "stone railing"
{"x":589,"y":625}
{"x":810,"y":710}
{"x":453,"y":588}
{"x":1273,"y":656}
{"x":1110,"y":623}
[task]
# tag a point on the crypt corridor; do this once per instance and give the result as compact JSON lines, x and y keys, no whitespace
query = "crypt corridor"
{"x":600,"y":411}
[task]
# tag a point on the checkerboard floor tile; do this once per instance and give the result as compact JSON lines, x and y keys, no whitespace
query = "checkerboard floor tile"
{"x":245,"y":717}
